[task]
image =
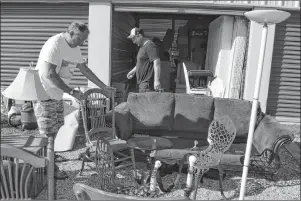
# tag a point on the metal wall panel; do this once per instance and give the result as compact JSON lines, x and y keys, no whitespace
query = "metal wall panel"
{"x":155,"y":27}
{"x":122,"y":48}
{"x":25,"y":27}
{"x":284,"y":90}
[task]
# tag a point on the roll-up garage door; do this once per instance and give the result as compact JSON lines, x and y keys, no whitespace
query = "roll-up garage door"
{"x":123,"y":49}
{"x":25,"y":27}
{"x":284,"y":90}
{"x":155,"y":27}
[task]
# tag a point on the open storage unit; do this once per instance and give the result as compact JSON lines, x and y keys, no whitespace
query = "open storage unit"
{"x":183,"y":37}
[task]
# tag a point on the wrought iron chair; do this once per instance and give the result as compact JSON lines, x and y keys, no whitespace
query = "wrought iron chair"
{"x":221,"y":135}
{"x":98,"y":131}
{"x":21,"y":173}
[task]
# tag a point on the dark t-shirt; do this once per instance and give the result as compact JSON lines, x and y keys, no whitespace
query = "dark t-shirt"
{"x":145,"y":62}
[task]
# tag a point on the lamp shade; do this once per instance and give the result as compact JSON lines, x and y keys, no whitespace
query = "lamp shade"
{"x":267,"y":16}
{"x":26,"y":86}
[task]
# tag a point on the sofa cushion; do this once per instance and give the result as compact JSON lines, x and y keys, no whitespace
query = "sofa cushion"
{"x":193,"y":113}
{"x":239,"y":112}
{"x":151,"y":110}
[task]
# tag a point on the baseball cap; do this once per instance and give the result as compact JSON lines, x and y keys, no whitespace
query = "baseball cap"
{"x":134,"y":32}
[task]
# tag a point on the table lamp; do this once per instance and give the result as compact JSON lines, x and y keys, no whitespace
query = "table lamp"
{"x":265,"y":18}
{"x":27,"y":86}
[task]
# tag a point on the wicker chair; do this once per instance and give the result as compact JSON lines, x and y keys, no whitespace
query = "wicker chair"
{"x":21,"y":173}
{"x":95,"y":112}
{"x":221,"y":135}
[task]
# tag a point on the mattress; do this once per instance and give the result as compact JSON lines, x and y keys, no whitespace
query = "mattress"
{"x":239,"y":44}
{"x":226,"y":50}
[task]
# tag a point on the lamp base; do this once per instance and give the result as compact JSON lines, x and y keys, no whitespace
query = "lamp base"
{"x":28,"y":121}
{"x":28,"y":118}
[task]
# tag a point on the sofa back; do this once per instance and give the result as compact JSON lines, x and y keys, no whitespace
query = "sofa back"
{"x":184,"y":115}
{"x":151,"y":111}
{"x":172,"y":114}
{"x":192,"y":115}
{"x":239,"y":112}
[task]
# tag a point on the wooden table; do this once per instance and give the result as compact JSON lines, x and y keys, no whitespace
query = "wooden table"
{"x":31,"y":143}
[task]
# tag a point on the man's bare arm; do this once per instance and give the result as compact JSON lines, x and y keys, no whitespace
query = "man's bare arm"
{"x":51,"y":74}
{"x":133,"y":70}
{"x":90,"y":75}
{"x":131,"y":74}
{"x":157,"y":70}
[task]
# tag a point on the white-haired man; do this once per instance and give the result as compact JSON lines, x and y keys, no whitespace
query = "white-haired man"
{"x":57,"y":61}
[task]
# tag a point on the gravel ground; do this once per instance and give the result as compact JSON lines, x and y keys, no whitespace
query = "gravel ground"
{"x":286,"y":187}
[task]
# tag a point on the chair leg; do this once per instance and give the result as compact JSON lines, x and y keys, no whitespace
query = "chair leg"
{"x":83,"y":165}
{"x":86,"y":158}
{"x":82,"y":168}
{"x":196,"y":183}
{"x":160,"y":184}
{"x":221,"y":172}
{"x":134,"y":162}
{"x":178,"y":176}
{"x":190,"y":175}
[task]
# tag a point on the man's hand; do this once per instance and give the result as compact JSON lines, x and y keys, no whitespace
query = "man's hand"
{"x":130,"y":75}
{"x":157,"y":85}
{"x":78,"y":95}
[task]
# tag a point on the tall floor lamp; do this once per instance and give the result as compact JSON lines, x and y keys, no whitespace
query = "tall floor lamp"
{"x":264,"y":17}
{"x":28,"y":87}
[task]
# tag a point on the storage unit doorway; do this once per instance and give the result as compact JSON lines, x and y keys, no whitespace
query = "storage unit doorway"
{"x":184,"y":35}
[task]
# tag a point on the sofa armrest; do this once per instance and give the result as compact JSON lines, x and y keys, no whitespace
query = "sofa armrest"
{"x":123,"y":121}
{"x":270,"y":134}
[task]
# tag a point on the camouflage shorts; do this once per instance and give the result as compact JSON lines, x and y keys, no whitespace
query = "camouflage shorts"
{"x":50,"y":116}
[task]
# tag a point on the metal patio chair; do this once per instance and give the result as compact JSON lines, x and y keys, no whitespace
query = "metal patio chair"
{"x":221,"y":135}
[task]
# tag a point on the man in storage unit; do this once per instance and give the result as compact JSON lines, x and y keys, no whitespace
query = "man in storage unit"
{"x":148,"y":65}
